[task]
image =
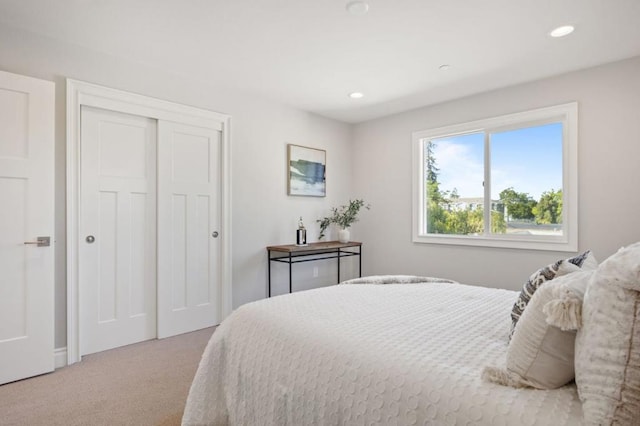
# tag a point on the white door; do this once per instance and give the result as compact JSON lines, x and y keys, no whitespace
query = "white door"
{"x":117,"y":267}
{"x":188,"y":227}
{"x":26,"y":213}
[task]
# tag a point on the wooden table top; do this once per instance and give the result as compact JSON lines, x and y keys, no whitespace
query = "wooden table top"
{"x":323,"y":245}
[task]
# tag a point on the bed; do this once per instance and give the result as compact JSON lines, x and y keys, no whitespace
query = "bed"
{"x":383,"y":351}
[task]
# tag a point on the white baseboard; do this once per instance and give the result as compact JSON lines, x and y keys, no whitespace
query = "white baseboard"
{"x":60,"y":357}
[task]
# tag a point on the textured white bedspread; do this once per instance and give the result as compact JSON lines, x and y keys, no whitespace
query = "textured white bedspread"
{"x":392,"y":354}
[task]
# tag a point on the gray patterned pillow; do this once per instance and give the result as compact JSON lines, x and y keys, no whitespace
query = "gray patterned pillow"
{"x":585,"y":260}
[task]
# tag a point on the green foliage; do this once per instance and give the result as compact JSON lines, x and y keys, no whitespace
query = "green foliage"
{"x":549,"y":208}
{"x":519,"y":205}
{"x":436,"y":217}
{"x":462,"y":222}
{"x":465,"y":222}
{"x":498,"y":224}
{"x":342,"y":216}
{"x":431,"y":168}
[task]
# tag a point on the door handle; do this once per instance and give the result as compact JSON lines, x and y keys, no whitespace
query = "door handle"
{"x":90,"y":239}
{"x":215,"y":234}
{"x":40,"y":242}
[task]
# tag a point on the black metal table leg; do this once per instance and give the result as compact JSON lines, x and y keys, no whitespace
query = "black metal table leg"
{"x":269,"y":268}
{"x":360,"y":262}
{"x":338,"y":266}
{"x":290,"y":263}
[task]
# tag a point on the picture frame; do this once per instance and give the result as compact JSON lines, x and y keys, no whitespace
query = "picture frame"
{"x":306,"y":171}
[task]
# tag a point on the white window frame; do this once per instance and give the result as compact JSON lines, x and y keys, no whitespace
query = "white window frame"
{"x":567,"y":114}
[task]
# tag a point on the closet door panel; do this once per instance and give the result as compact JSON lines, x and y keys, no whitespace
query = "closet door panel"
{"x":188,"y":219}
{"x":117,"y":262}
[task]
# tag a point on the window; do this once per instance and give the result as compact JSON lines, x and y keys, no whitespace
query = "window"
{"x":508,"y":181}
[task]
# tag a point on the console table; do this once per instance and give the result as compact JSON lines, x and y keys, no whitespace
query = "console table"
{"x":293,"y":253}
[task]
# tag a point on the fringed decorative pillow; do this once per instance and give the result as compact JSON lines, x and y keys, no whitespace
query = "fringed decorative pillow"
{"x":608,"y":345}
{"x":541,"y":352}
{"x":562,"y":267}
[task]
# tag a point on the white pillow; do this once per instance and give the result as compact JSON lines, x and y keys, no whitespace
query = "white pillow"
{"x":608,"y":345}
{"x":541,"y":352}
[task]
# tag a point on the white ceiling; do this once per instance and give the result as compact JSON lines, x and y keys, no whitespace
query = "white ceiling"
{"x":312,"y":54}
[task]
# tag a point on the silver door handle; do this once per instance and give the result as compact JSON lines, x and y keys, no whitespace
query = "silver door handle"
{"x":41,"y":242}
{"x":90,"y":239}
{"x":215,"y":234}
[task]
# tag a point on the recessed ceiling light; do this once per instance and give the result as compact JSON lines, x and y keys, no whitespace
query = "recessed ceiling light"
{"x":562,"y":31}
{"x":444,"y":67}
{"x":357,"y":7}
{"x":356,"y":95}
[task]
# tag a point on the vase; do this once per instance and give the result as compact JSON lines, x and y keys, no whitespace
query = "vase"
{"x":343,"y":235}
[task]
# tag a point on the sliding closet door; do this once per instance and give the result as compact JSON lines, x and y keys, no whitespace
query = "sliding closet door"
{"x":188,"y":227}
{"x":117,"y":263}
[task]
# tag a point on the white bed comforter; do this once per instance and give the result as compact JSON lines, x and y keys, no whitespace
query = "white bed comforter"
{"x":393,"y":354}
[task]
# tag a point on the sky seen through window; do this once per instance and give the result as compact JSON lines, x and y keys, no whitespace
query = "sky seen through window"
{"x":527,"y":159}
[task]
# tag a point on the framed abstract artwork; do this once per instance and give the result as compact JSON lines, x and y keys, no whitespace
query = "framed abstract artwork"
{"x":306,"y":171}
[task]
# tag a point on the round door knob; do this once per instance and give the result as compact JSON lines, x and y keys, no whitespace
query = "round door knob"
{"x":215,"y":234}
{"x":90,"y":239}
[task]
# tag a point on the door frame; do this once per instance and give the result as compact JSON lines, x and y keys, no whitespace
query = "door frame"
{"x":80,"y":94}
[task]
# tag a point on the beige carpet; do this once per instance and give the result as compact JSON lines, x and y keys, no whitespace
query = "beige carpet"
{"x":142,"y":384}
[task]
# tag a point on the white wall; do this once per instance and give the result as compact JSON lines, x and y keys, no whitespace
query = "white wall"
{"x":609,"y":176}
{"x":371,"y":160}
{"x":262,"y":213}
